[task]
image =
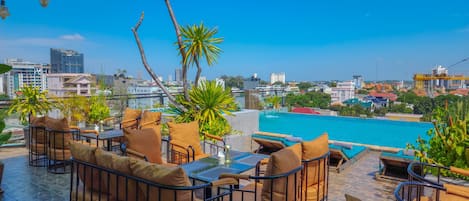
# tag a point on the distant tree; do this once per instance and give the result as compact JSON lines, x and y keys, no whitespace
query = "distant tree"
{"x":362,"y":91}
{"x":332,"y":84}
{"x":263,"y":82}
{"x":231,"y":82}
{"x":303,"y":86}
{"x":408,"y":97}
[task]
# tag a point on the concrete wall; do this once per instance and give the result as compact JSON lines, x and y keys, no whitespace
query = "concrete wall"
{"x":246,"y":122}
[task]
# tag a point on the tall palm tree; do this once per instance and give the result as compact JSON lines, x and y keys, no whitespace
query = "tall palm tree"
{"x":199,"y":43}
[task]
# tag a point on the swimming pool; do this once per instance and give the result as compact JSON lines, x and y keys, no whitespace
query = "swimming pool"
{"x":365,"y":131}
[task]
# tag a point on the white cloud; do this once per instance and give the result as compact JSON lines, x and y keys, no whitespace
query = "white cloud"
{"x":72,"y":37}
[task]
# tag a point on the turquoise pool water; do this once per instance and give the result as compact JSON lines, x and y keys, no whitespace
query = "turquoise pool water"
{"x":366,"y":131}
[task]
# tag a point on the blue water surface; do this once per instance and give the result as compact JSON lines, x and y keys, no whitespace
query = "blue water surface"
{"x":366,"y":131}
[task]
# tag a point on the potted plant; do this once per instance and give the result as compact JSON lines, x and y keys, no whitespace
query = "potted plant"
{"x":75,"y":108}
{"x":98,"y":110}
{"x":30,"y":101}
{"x":4,"y":137}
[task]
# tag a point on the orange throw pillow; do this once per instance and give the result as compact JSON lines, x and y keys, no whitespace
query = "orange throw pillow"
{"x":146,"y":141}
{"x":129,"y":118}
{"x":150,"y":118}
{"x":313,"y":149}
{"x":187,"y":133}
{"x":281,"y":162}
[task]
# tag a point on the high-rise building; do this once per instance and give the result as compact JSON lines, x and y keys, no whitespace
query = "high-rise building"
{"x":359,"y":81}
{"x":24,"y":73}
{"x":66,"y":61}
{"x":178,"y":75}
{"x":277,"y":77}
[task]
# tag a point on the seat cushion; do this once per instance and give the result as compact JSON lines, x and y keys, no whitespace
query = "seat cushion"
{"x":282,"y":162}
{"x":38,"y":148}
{"x":248,"y":196}
{"x":314,"y":171}
{"x":187,"y":133}
{"x":119,"y":187}
{"x":154,"y":118}
{"x":86,"y":154}
{"x":310,"y":193}
{"x":162,"y":175}
{"x":146,"y":141}
{"x":80,"y":194}
{"x":59,"y":154}
{"x":130,"y":118}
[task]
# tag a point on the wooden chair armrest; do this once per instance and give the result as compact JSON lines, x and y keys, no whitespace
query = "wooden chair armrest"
{"x":147,"y":123}
{"x":128,"y":121}
{"x":214,"y":137}
{"x":225,"y":181}
{"x":74,"y":127}
{"x":179,"y":144}
{"x":136,"y":153}
{"x":264,"y":161}
{"x":109,"y":119}
{"x":234,"y":176}
{"x":90,"y":131}
{"x":460,"y":171}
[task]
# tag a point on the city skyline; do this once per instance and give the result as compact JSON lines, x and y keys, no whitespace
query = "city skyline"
{"x":306,"y":40}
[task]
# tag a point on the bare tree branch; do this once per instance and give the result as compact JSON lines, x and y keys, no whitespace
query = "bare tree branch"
{"x":181,"y":50}
{"x":148,"y":68}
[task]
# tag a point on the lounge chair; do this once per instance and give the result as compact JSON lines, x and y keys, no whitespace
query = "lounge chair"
{"x":271,"y":142}
{"x":393,"y":166}
{"x":281,"y":182}
{"x":419,"y":187}
{"x":344,"y":155}
{"x":341,"y":155}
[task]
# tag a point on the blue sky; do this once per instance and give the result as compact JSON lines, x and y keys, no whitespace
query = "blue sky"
{"x":309,"y":40}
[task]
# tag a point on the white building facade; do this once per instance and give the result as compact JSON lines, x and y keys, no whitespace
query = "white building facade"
{"x":343,"y":91}
{"x":277,"y":77}
{"x":66,"y":84}
{"x":24,"y":73}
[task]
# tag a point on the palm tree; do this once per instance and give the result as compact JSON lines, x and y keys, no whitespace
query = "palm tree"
{"x":199,"y":43}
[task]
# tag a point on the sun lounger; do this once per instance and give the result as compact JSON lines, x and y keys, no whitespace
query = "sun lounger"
{"x":271,"y":142}
{"x":344,"y":155}
{"x":393,"y":166}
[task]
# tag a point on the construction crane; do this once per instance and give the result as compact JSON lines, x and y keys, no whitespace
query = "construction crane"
{"x":422,"y":81}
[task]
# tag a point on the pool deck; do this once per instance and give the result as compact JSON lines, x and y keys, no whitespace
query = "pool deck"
{"x":22,"y":182}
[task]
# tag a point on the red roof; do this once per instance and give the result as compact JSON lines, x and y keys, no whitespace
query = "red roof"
{"x":461,"y":92}
{"x":390,"y":96}
{"x":304,"y":110}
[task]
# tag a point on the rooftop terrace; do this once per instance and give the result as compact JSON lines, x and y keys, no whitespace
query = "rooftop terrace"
{"x":22,"y":182}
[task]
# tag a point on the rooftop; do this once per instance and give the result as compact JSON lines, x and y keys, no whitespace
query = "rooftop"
{"x":23,"y":182}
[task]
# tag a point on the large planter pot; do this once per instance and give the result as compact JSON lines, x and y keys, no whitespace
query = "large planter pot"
{"x":27,"y":133}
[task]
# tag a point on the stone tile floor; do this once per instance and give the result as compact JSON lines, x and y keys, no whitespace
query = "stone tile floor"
{"x":22,"y":182}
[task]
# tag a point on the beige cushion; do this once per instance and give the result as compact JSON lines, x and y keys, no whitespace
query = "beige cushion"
{"x":163,"y":175}
{"x":117,"y":184}
{"x":86,"y":153}
{"x":310,"y":193}
{"x":59,"y":154}
{"x":38,"y":133}
{"x":281,"y":162}
{"x":129,"y":118}
{"x":38,"y":148}
{"x":457,"y":191}
{"x":60,"y":136}
{"x":79,"y":195}
{"x":150,"y":117}
{"x":313,"y":149}
{"x":146,"y":141}
{"x":187,"y":133}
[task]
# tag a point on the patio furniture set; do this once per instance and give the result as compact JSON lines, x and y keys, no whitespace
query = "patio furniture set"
{"x":193,"y":169}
